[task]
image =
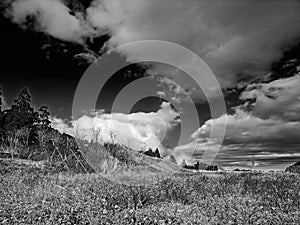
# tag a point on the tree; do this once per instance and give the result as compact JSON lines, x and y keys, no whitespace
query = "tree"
{"x":152,"y":153}
{"x":183,"y":164}
{"x":149,"y":152}
{"x":156,"y":153}
{"x":212,"y":168}
{"x":21,"y":114}
{"x":24,"y":100}
{"x":44,"y":116}
{"x":197,"y":166}
{"x":2,"y":130}
{"x":1,"y":99}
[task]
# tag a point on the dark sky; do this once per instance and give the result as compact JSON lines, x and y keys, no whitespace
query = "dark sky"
{"x":51,"y":81}
{"x":48,"y":68}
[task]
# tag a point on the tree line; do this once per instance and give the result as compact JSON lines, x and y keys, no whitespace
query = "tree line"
{"x":26,"y":133}
{"x":199,"y":166}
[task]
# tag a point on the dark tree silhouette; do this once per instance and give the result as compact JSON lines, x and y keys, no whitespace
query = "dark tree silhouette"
{"x":200,"y":166}
{"x":22,"y":114}
{"x":28,"y":135}
{"x":156,"y":153}
{"x":44,"y":116}
{"x":212,"y":168}
{"x":152,"y":153}
{"x":2,"y":130}
{"x":1,"y":98}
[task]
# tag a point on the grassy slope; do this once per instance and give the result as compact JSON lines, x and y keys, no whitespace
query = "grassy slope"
{"x":138,"y":169}
{"x":102,"y":160}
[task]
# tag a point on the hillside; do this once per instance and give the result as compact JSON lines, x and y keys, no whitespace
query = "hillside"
{"x":295,"y":168}
{"x":116,"y":158}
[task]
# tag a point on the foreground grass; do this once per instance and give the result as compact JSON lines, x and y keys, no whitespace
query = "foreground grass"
{"x":225,"y":198}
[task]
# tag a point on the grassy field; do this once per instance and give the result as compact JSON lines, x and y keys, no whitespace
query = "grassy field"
{"x":217,"y":198}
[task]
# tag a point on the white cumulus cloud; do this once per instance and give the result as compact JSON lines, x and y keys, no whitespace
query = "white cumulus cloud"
{"x":52,"y":17}
{"x":137,"y":130}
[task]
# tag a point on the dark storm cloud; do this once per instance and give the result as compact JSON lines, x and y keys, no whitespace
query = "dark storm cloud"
{"x":234,"y":37}
{"x":277,"y":99}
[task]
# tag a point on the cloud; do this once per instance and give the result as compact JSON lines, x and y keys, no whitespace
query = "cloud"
{"x":278,"y":99}
{"x":61,"y":125}
{"x":172,"y":90}
{"x":247,"y":138}
{"x":51,"y":17}
{"x":238,"y":40}
{"x":161,"y":94}
{"x":243,"y":127}
{"x":85,"y":58}
{"x":233,"y":37}
{"x":262,"y":132}
{"x":137,"y":130}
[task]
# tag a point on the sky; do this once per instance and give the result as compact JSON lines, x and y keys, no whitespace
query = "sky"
{"x":252,"y":48}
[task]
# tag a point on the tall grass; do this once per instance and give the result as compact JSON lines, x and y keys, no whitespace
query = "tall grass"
{"x":250,"y":198}
{"x":101,"y":158}
{"x":16,"y":143}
